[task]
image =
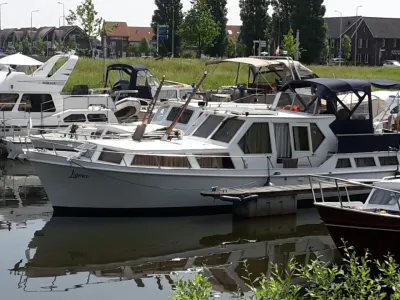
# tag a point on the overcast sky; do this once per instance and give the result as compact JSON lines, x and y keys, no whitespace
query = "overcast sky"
{"x":17,"y":13}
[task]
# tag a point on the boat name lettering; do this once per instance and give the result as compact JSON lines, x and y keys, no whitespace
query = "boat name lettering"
{"x":49,"y":82}
{"x":76,"y":175}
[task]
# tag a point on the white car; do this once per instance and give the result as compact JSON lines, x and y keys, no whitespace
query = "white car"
{"x":391,"y":63}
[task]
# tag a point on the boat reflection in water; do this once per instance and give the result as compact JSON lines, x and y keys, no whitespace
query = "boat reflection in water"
{"x":22,"y":196}
{"x":110,"y":250}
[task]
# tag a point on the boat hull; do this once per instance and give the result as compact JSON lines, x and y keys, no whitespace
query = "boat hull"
{"x":75,"y":191}
{"x":379,"y":234}
{"x":78,"y":188}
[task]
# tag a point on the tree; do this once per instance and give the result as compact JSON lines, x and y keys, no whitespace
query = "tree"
{"x":71,"y":44}
{"x":198,"y":27}
{"x":86,"y":15}
{"x":281,"y":19}
{"x":41,"y":47}
{"x":241,"y":48}
{"x":289,"y":43}
{"x":219,"y":13}
{"x":168,"y":12}
{"x":231,"y":48}
{"x":308,"y":17}
{"x":23,"y":46}
{"x":144,"y":46}
{"x":346,"y":47}
{"x":326,"y":50}
{"x":133,"y":49}
{"x":255,"y":21}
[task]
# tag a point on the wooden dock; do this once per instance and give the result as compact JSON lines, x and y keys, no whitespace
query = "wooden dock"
{"x":279,"y":191}
{"x":276,"y":200}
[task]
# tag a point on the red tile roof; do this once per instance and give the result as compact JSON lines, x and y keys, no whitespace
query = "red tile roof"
{"x":136,"y":34}
{"x":121,"y":30}
{"x":233,"y":31}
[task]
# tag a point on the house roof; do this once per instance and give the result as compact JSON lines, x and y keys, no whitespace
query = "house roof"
{"x":6,"y":32}
{"x":383,"y":27}
{"x":348,"y":26}
{"x":233,"y":31}
{"x":136,"y":34}
{"x":43,"y":32}
{"x":121,"y":29}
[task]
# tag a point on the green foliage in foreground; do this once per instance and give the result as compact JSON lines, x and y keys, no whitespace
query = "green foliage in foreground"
{"x":353,"y":280}
{"x":90,"y":71}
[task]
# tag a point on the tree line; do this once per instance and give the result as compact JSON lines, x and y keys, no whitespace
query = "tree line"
{"x":203,"y":27}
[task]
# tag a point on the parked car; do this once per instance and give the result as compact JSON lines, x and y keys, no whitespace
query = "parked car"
{"x":391,"y":63}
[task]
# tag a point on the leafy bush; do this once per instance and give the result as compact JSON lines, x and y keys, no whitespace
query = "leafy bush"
{"x":188,"y":54}
{"x":355,"y":279}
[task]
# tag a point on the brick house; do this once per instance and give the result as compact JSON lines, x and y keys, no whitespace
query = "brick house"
{"x":373,"y":39}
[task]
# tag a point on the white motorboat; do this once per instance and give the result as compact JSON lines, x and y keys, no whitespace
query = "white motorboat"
{"x":228,"y":148}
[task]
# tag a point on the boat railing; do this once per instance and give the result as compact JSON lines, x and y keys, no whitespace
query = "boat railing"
{"x":342,"y":186}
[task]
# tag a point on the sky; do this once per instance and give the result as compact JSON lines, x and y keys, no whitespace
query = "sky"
{"x":17,"y":13}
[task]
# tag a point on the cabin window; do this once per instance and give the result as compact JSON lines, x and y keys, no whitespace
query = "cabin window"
{"x":388,"y":161}
{"x":37,"y":103}
{"x":208,"y":126}
{"x":223,"y":161}
{"x":343,"y":163}
{"x":168,"y":94}
{"x":300,"y":137}
{"x":365,"y":162}
{"x":256,"y":140}
{"x":184,"y":119}
{"x":227,"y":130}
{"x":382,"y":197}
{"x":97,"y":118}
{"x":75,"y":118}
{"x":7,"y":101}
{"x":161,"y":161}
{"x":111,"y":156}
{"x":317,"y":137}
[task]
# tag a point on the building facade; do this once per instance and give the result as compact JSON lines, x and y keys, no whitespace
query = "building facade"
{"x":56,"y":39}
{"x":373,"y":40}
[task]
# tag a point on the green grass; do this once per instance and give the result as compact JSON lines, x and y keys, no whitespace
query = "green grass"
{"x":90,"y":71}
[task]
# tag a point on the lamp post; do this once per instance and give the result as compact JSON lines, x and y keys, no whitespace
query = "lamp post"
{"x":340,"y":37}
{"x":33,"y":11}
{"x":59,"y":21}
{"x":356,"y":39}
{"x":1,"y":4}
{"x":63,"y":12}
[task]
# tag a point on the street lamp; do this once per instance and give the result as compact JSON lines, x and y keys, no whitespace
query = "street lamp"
{"x":340,"y":36}
{"x":33,"y":11}
{"x":59,"y":21}
{"x":4,"y":3}
{"x":63,"y":12}
{"x":356,"y":43}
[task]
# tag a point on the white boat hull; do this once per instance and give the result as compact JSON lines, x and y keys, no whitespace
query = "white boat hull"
{"x":75,"y":189}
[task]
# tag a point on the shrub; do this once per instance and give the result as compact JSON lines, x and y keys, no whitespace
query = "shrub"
{"x":355,"y":279}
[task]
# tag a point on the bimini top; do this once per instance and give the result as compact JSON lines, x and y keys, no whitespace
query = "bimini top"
{"x":127,"y":68}
{"x":327,"y":86}
{"x":254,"y":62}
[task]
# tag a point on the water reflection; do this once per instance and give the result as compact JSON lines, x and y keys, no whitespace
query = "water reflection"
{"x":134,"y":249}
{"x":65,"y":254}
{"x":22,"y":196}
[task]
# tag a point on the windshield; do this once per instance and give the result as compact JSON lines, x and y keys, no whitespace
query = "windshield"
{"x":142,"y":76}
{"x":382,"y":197}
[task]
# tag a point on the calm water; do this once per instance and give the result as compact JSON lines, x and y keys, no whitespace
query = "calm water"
{"x":74,"y":258}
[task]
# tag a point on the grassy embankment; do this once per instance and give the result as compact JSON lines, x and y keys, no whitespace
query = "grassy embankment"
{"x":90,"y":71}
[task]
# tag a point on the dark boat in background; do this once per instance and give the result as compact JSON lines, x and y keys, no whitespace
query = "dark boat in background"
{"x":373,"y":225}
